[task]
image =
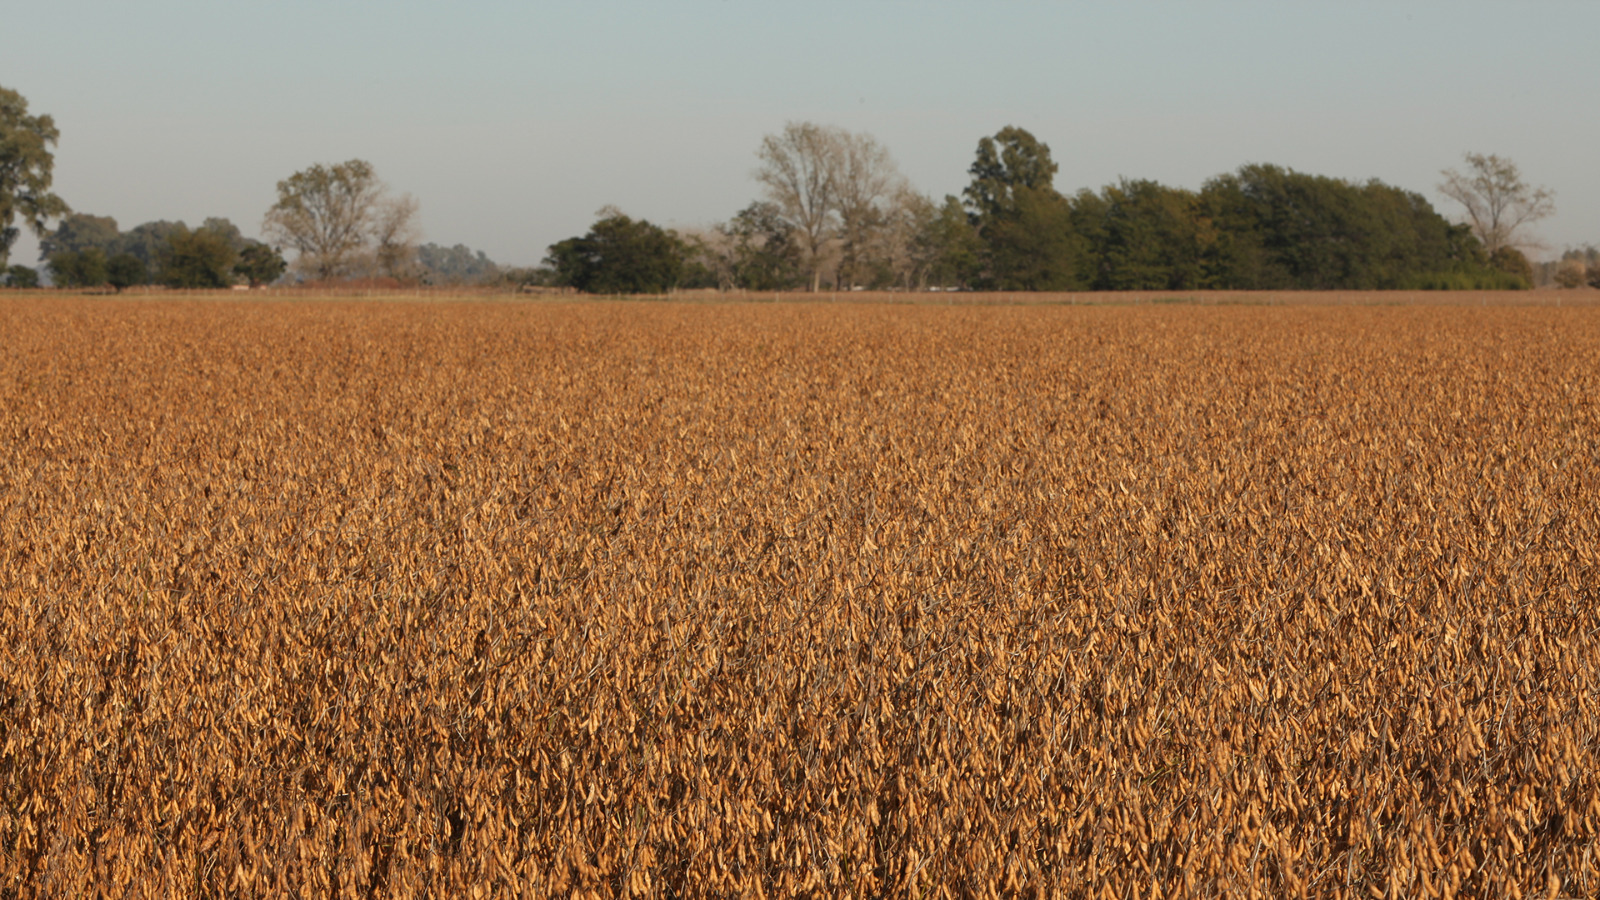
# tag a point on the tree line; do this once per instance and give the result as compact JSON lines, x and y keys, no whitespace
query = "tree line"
{"x":837,"y":214}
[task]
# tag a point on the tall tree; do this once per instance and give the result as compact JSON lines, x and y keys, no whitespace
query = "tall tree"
{"x":800,"y":171}
{"x":1498,"y":201}
{"x":330,"y":215}
{"x":26,"y":166}
{"x":1010,"y":161}
{"x":867,"y":184}
{"x":395,"y":235}
{"x":1025,"y":226}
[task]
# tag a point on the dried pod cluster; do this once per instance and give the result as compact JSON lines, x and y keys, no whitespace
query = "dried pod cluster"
{"x":634,"y":599}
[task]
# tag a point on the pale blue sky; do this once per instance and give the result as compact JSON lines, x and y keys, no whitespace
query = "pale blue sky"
{"x":512,"y":123}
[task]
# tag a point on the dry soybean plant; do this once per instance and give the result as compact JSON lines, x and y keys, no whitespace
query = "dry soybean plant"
{"x":797,"y":600}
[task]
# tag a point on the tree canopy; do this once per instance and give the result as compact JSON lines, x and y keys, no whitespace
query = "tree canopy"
{"x":26,"y":168}
{"x":1498,"y":202}
{"x":334,"y":216}
{"x":619,"y":255}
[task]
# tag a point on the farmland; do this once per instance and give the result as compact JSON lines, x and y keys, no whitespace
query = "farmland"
{"x":351,"y":598}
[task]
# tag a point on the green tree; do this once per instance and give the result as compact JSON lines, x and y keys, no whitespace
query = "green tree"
{"x":80,"y":231}
{"x":1141,"y":236}
{"x":1011,"y":161}
{"x":126,"y":270}
{"x":26,"y":166}
{"x":78,"y":268}
{"x":260,"y":263}
{"x":1513,"y":262}
{"x":767,"y":253}
{"x":619,"y":255}
{"x":225,"y":229}
{"x":1025,"y":226}
{"x":197,"y":259}
{"x":21,"y":277}
{"x":150,"y":241}
{"x":952,"y":247}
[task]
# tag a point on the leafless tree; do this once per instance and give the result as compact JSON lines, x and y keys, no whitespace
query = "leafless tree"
{"x":834,"y":186}
{"x":1498,"y":202}
{"x":867,"y":183}
{"x":395,"y":235}
{"x":335,"y":216}
{"x":800,"y":171}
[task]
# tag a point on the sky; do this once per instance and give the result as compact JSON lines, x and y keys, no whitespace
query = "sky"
{"x":513,"y":123}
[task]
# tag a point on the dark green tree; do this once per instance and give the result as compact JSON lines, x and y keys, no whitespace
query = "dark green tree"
{"x":26,"y":166}
{"x":21,"y":277}
{"x":80,"y":231}
{"x":150,"y":241}
{"x":1141,"y":236}
{"x":225,"y":229}
{"x":952,"y":247}
{"x":1010,"y":161}
{"x":260,"y":263}
{"x":620,"y":255}
{"x":78,"y":268}
{"x":767,"y":252}
{"x":197,"y":259}
{"x":1024,"y":225}
{"x":126,"y":270}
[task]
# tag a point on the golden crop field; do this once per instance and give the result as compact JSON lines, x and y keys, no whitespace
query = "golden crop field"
{"x":389,"y":599}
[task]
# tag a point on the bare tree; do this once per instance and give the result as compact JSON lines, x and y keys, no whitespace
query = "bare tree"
{"x":1498,"y":202}
{"x":334,"y":215}
{"x":395,"y":235}
{"x":867,"y":183}
{"x":800,"y":170}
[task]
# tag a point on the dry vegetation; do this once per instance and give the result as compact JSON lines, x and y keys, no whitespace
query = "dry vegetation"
{"x":640,"y":599}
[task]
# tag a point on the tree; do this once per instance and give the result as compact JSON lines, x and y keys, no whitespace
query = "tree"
{"x":762,"y":249}
{"x":78,"y":232}
{"x":225,"y":229}
{"x":455,"y":265}
{"x":619,"y":255}
{"x":78,"y":268}
{"x":260,"y":263}
{"x":1011,"y":161}
{"x":150,"y":241}
{"x":951,"y":245}
{"x":21,"y":277}
{"x":395,"y":234}
{"x":197,"y":259}
{"x":125,"y":270}
{"x":867,"y":183}
{"x":1025,"y":226}
{"x":1498,"y":201}
{"x":26,"y":166}
{"x":330,"y":215}
{"x":800,"y":171}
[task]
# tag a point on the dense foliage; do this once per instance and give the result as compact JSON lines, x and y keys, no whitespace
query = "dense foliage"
{"x":620,"y":255}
